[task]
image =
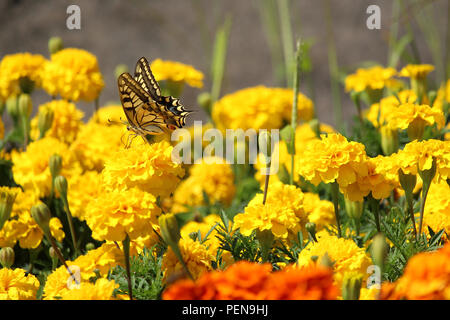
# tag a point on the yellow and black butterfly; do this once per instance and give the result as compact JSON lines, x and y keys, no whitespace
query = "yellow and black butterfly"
{"x":147,"y":111}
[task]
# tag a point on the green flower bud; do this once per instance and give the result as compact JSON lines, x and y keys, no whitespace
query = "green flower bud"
{"x":52,"y":253}
{"x":288,"y":135}
{"x":389,"y":140}
{"x":407,"y":181}
{"x":61,"y":185}
{"x":90,"y":246}
{"x":45,"y":120}
{"x":55,"y":164}
{"x":25,"y":105}
{"x":314,"y":124}
{"x":326,"y":261}
{"x":41,"y":214}
{"x":7,"y":198}
{"x":283,"y":174}
{"x":204,"y":100}
{"x":55,"y":44}
{"x":170,"y":231}
{"x":120,"y":68}
{"x":379,"y":250}
{"x":351,"y":286}
{"x":354,"y":208}
{"x":12,"y":107}
{"x":428,"y":175}
{"x":7,"y":257}
{"x":416,"y":129}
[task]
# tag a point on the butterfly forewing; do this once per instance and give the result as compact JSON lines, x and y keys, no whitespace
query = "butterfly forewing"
{"x":144,"y":76}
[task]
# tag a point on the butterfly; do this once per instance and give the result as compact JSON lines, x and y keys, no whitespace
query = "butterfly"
{"x":147,"y":111}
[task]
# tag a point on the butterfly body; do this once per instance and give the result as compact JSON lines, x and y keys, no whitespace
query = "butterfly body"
{"x":147,"y":111}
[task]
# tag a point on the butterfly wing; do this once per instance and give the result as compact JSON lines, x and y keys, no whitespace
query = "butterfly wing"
{"x":141,"y":110}
{"x":144,"y":76}
{"x":175,"y":110}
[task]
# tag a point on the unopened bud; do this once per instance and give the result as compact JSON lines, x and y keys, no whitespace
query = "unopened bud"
{"x":61,"y":185}
{"x":170,"y":231}
{"x":351,"y":286}
{"x":55,"y":44}
{"x":7,"y":198}
{"x":429,"y":174}
{"x":416,"y":129}
{"x":41,"y":214}
{"x":354,"y":208}
{"x":379,"y":250}
{"x":7,"y":257}
{"x":12,"y":107}
{"x":90,"y":246}
{"x":55,"y":165}
{"x":288,"y":135}
{"x":326,"y":261}
{"x":407,"y":181}
{"x":204,"y":100}
{"x":45,"y":120}
{"x":25,"y":105}
{"x":52,"y":253}
{"x":389,"y":140}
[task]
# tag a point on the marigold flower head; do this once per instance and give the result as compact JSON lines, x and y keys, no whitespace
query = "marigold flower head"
{"x":102,"y":289}
{"x":67,"y":121}
{"x":177,"y":72}
{"x":15,"y":67}
{"x":345,"y":254}
{"x":82,"y":189}
{"x":212,"y":176}
{"x":411,"y":114}
{"x":320,"y":212}
{"x":119,"y":212}
{"x":331,"y":159}
{"x":372,"y":78}
{"x":437,"y":207}
{"x":108,"y":115}
{"x":17,"y":285}
{"x":416,"y":71}
{"x":259,"y":108}
{"x":31,"y":169}
{"x":195,"y":255}
{"x":426,"y":277}
{"x":93,"y":149}
{"x":148,"y":167}
{"x":73,"y":74}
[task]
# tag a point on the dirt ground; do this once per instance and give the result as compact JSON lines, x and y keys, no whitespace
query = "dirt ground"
{"x":120,"y":31}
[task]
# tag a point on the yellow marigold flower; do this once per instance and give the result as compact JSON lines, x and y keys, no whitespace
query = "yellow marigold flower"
{"x":415,"y":117}
{"x":259,"y":108}
{"x":371,"y":293}
{"x":67,"y":121}
{"x":212,"y":176}
{"x":97,"y":261}
{"x":320,"y":212}
{"x":438,"y":103}
{"x":379,"y":113}
{"x":97,"y":143}
{"x":426,"y":277}
{"x":109,"y":115}
{"x":437,"y":207}
{"x":29,"y":233}
{"x":345,"y":254}
{"x":31,"y":168}
{"x":416,"y":71}
{"x":102,"y":289}
{"x":377,"y":180}
{"x":73,"y":74}
{"x":15,"y":67}
{"x":177,"y":72}
{"x":281,"y":220}
{"x":17,"y":285}
{"x":372,"y":78}
{"x":82,"y":189}
{"x":148,"y":167}
{"x":116,"y":213}
{"x":196,"y":256}
{"x":56,"y":229}
{"x":333,"y":158}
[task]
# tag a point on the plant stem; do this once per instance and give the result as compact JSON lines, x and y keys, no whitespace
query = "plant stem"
{"x":335,"y":197}
{"x":425,"y":188}
{"x":376,"y":211}
{"x":70,"y":221}
{"x":61,"y":258}
{"x":266,"y":184}
{"x":410,"y":210}
{"x":126,"y":252}
{"x":286,"y":37}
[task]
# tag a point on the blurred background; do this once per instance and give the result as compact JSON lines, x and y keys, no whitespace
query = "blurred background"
{"x":121,"y":31}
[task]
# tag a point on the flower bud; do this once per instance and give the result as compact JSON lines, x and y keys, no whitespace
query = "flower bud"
{"x":7,"y":257}
{"x":416,"y":129}
{"x":288,"y":135}
{"x":120,"y":68}
{"x":55,"y":165}
{"x":61,"y":185}
{"x":52,"y":253}
{"x":354,"y":208}
{"x":389,"y":140}
{"x":204,"y":100}
{"x":90,"y":246}
{"x":7,"y":197}
{"x":170,"y":231}
{"x":351,"y":286}
{"x":407,"y":181}
{"x":429,"y":174}
{"x":25,"y":105}
{"x":45,"y":120}
{"x":12,"y":107}
{"x":55,"y":44}
{"x":326,"y":261}
{"x":379,"y":250}
{"x":314,"y":124}
{"x":41,"y":214}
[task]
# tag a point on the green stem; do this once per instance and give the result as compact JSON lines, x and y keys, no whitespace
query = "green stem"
{"x":266,"y":184}
{"x":335,"y":198}
{"x":60,"y":257}
{"x":410,"y":210}
{"x":126,"y":252}
{"x":376,"y":211}
{"x":286,"y":37}
{"x":70,"y":221}
{"x":425,"y":188}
